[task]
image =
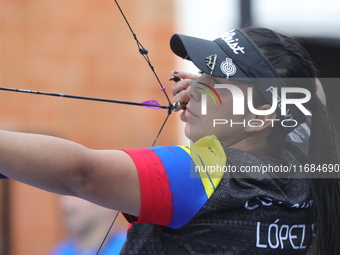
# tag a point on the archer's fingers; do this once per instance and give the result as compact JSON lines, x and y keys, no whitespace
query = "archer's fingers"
{"x":180,"y":86}
{"x":183,"y":82}
{"x":184,"y":75}
{"x":181,"y":98}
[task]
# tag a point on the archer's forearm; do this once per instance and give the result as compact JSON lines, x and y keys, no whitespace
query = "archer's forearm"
{"x":106,"y":177}
{"x":45,"y":162}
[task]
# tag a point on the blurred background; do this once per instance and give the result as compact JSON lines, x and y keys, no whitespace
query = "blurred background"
{"x":84,"y":47}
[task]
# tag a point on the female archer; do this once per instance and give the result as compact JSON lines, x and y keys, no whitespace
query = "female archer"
{"x":247,"y":186}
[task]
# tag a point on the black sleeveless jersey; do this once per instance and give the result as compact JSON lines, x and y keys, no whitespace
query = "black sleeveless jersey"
{"x":249,"y":212}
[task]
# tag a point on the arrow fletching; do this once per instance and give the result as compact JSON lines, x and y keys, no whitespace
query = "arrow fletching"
{"x":152,"y":104}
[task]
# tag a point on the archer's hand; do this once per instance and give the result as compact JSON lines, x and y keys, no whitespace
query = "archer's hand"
{"x":179,"y":88}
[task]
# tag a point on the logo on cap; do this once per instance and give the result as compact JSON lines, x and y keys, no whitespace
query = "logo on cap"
{"x":228,"y":67}
{"x":232,"y":42}
{"x":211,"y":62}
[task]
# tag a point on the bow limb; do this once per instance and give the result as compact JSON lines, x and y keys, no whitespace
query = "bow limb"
{"x":46,"y":48}
{"x":144,"y":52}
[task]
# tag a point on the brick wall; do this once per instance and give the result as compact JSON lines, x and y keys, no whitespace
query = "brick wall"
{"x":79,"y":47}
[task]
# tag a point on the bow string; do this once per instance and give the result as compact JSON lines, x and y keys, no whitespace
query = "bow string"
{"x":153,"y":104}
{"x":172,"y":107}
{"x":144,"y":52}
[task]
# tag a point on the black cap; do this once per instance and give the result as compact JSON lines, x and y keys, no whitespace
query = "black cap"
{"x":208,"y":56}
{"x":235,"y":56}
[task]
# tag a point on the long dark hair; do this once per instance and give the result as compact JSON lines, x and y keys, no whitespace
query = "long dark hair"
{"x":291,"y":60}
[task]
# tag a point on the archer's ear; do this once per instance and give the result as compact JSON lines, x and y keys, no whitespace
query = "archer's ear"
{"x":261,"y":122}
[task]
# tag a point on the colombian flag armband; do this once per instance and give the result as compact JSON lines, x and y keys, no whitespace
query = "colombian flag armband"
{"x":176,"y":181}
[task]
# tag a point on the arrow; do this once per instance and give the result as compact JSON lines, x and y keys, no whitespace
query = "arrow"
{"x":153,"y":104}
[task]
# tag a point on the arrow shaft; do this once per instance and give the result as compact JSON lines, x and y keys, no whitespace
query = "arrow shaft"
{"x":83,"y":97}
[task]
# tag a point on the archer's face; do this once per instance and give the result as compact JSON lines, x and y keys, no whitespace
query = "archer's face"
{"x":217,"y":107}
